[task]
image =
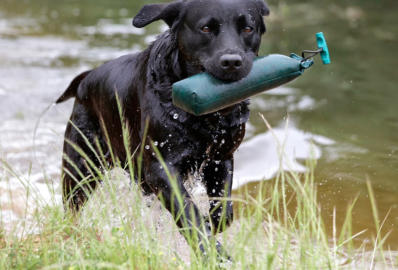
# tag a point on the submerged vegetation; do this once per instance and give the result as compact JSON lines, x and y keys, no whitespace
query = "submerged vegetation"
{"x":120,"y":228}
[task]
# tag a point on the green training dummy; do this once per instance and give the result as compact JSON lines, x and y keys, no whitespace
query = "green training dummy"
{"x":202,"y":94}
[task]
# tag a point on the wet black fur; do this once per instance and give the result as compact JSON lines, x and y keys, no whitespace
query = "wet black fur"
{"x":142,"y":82}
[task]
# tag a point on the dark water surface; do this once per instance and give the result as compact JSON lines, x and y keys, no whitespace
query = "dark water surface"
{"x":349,"y":110}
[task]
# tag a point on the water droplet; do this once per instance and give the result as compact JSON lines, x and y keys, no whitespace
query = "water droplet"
{"x":217,"y":162}
{"x":175,"y":116}
{"x":155,"y":143}
{"x":223,"y":131}
{"x":162,"y":144}
{"x":213,"y":191}
{"x":215,"y":141}
{"x":170,"y":135}
{"x":147,"y":147}
{"x":222,"y":141}
{"x":216,"y":169}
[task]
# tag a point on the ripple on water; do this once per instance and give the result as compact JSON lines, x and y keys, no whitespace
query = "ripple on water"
{"x":29,"y":177}
{"x":108,"y":27}
{"x":48,"y":51}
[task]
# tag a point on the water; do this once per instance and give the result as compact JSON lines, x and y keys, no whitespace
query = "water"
{"x":344,"y":115}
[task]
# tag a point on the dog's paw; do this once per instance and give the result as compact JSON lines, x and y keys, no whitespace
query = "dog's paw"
{"x":224,"y":260}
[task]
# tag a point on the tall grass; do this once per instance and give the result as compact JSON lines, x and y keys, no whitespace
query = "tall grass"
{"x":119,"y":228}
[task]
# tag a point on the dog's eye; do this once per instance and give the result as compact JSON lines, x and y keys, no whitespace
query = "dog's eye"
{"x":206,"y":29}
{"x":248,"y":29}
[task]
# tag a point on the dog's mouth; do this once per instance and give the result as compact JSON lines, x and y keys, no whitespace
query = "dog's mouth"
{"x":228,"y":72}
{"x":222,"y":73}
{"x":229,"y":75}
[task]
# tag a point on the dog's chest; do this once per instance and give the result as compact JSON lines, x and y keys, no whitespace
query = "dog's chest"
{"x":195,"y":137}
{"x":211,"y":134}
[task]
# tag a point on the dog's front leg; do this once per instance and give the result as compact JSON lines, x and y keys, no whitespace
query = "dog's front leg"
{"x":218,"y":179}
{"x":178,"y":202}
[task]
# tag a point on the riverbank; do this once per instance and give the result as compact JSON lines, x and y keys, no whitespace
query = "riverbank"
{"x":121,"y":229}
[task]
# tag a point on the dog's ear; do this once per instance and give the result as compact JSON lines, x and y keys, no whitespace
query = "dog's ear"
{"x":263,"y":7}
{"x":150,"y":13}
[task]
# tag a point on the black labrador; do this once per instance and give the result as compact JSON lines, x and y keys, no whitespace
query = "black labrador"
{"x":221,"y":37}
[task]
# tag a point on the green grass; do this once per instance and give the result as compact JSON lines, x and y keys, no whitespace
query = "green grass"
{"x":119,"y":228}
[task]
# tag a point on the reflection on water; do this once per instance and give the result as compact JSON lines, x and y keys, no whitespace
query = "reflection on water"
{"x":263,"y":156}
{"x":344,"y":115}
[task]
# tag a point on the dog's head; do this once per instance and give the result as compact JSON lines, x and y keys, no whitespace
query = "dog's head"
{"x":221,"y":37}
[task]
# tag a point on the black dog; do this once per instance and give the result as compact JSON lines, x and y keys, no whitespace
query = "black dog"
{"x":221,"y":37}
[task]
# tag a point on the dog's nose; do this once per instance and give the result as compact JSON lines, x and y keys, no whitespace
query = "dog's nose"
{"x":231,"y":61}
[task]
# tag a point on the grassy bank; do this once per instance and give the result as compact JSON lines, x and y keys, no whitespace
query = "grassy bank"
{"x":121,"y":229}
